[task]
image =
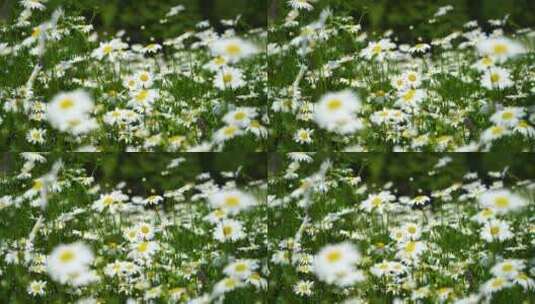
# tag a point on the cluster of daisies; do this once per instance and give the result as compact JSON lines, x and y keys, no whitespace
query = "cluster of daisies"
{"x":347,"y":89}
{"x":72,"y":237}
{"x":338,"y":238}
{"x":83,"y":91}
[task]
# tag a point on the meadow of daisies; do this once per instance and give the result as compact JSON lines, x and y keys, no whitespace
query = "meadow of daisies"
{"x":433,"y":233}
{"x":70,"y":237}
{"x":336,"y":86}
{"x":66,"y":87}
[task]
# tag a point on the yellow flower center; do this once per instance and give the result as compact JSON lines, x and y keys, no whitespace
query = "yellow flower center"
{"x":376,"y":201}
{"x":377,"y":49}
{"x":142,"y":95}
{"x":36,"y":32}
{"x":143,"y":247}
{"x":227,"y":230}
{"x":501,"y":202}
{"x":412,"y":77}
{"x":407,"y":97}
{"x":507,"y":115}
{"x":107,"y":49}
{"x":507,"y":267}
{"x":145,"y":229}
{"x":494,"y":230}
{"x":227,"y":77}
{"x":496,"y":130}
{"x":412,"y":230}
{"x":523,"y":124}
{"x":500,"y":49}
{"x":334,"y":104}
{"x":67,"y":256}
{"x":144,"y":77}
{"x":240,"y":116}
{"x":230,"y":283}
{"x":334,"y":256}
{"x":486,"y":61}
{"x":241,"y":267}
{"x":494,"y":78}
{"x":233,"y":49}
{"x":37,"y":184}
{"x":410,"y":247}
{"x":232,"y":201}
{"x":219,"y":60}
{"x":487,"y":213}
{"x":230,"y":131}
{"x":108,"y":200}
{"x":66,"y":104}
{"x":497,"y":283}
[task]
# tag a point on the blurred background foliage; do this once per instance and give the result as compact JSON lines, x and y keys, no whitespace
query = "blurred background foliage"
{"x":142,"y":172}
{"x":411,"y":171}
{"x":129,"y":15}
{"x":400,"y":15}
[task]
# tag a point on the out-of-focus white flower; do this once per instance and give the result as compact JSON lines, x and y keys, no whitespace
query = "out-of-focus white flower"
{"x":233,"y":48}
{"x":68,"y":263}
{"x":337,"y":112}
{"x":500,"y":48}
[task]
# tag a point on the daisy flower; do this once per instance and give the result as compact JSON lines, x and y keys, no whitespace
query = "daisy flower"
{"x":37,"y":288}
{"x":110,"y":49}
{"x":34,"y":4}
{"x":303,"y":288}
{"x":144,"y":78}
{"x":234,"y":49}
{"x":496,"y":78}
{"x":231,"y":201}
{"x":240,"y":117}
{"x":495,"y":284}
{"x":411,"y":250}
{"x":525,"y":129}
{"x":226,"y":133}
{"x":36,"y":136}
{"x":70,"y":261}
{"x":113,"y":201}
{"x":151,"y":48}
{"x":420,"y":48}
{"x":493,"y":133}
{"x":496,"y":230}
{"x":229,"y":230}
{"x":226,"y":285}
{"x":241,"y":269}
{"x":410,"y":98}
{"x":69,"y":109}
{"x":500,"y":48}
{"x":508,"y":269}
{"x":229,"y":78}
{"x":508,"y":117}
{"x":379,"y":50}
{"x":501,"y":201}
{"x":335,"y":263}
{"x":336,"y":112}
{"x":143,"y":98}
{"x":300,"y":4}
{"x":377,"y":201}
{"x":303,"y":136}
{"x":412,"y":78}
{"x":143,"y":250}
{"x":153,"y":200}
